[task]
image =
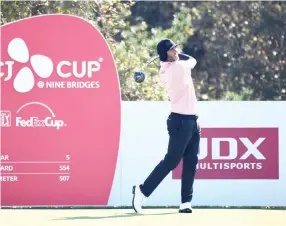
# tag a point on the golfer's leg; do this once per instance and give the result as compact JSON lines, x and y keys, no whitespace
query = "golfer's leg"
{"x":190,"y":160}
{"x":178,"y":141}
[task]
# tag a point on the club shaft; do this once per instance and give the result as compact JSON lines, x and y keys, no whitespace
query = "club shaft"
{"x":149,"y":61}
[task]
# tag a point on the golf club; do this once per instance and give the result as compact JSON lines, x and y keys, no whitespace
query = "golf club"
{"x":139,"y":76}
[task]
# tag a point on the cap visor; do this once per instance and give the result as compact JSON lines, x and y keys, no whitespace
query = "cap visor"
{"x":174,"y":46}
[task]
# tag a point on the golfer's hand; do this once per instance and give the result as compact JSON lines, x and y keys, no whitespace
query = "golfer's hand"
{"x":183,"y":56}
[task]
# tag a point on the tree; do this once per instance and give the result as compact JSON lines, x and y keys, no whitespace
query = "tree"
{"x":240,"y":46}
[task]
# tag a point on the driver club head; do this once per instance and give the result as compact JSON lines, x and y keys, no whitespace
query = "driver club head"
{"x":139,"y":76}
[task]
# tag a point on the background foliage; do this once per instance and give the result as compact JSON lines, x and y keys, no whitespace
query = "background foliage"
{"x":240,"y":46}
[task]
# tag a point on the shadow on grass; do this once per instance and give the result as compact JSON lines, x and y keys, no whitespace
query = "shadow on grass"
{"x":111,"y":216}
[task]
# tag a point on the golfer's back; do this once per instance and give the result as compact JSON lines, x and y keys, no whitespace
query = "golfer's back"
{"x":176,"y":77}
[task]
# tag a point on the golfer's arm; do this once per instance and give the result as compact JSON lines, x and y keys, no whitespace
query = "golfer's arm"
{"x":192,"y":61}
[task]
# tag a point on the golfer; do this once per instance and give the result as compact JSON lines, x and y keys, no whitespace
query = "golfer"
{"x":182,"y":125}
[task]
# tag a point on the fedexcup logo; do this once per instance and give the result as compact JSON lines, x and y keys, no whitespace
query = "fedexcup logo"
{"x":35,"y":121}
{"x":43,"y":66}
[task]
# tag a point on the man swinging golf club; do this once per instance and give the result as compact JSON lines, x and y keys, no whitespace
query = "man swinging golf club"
{"x":184,"y":131}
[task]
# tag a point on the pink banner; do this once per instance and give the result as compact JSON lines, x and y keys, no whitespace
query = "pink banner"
{"x":237,"y":153}
{"x":60,"y":113}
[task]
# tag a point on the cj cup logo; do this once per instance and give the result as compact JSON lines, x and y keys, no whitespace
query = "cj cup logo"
{"x":43,"y":66}
{"x":24,"y":80}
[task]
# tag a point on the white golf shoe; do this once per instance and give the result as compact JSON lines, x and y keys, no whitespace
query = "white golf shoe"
{"x":186,"y":208}
{"x":138,"y":199}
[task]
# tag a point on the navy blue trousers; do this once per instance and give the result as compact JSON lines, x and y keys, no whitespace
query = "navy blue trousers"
{"x":184,"y":138}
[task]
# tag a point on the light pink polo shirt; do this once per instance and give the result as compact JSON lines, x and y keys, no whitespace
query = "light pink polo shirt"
{"x":176,"y":77}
